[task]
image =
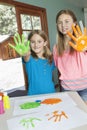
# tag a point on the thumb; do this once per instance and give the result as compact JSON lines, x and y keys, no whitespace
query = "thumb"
{"x":73,"y":45}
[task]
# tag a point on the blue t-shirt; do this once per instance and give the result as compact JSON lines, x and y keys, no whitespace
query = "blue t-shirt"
{"x":39,"y":73}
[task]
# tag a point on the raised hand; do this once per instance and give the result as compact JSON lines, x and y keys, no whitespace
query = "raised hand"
{"x":79,"y":38}
{"x":22,"y":47}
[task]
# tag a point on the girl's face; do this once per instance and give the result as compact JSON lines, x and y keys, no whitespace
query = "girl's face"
{"x":37,"y":44}
{"x":65,"y":23}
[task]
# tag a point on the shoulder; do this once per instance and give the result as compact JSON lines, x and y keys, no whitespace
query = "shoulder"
{"x":55,"y":49}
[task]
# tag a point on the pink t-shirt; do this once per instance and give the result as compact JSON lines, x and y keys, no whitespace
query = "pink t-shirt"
{"x":72,"y":68}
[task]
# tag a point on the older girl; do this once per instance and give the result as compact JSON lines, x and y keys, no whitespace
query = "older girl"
{"x":72,"y":65}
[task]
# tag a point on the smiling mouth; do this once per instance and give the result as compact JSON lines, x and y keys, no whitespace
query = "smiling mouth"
{"x":65,"y":29}
{"x":36,"y":48}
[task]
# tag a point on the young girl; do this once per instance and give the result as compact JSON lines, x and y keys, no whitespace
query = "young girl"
{"x":39,"y":64}
{"x":71,"y":64}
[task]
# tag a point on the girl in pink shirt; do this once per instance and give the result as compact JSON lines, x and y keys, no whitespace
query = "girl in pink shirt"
{"x":71,"y":64}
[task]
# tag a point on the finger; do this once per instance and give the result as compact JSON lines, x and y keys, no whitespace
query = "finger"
{"x":75,"y":31}
{"x":23,"y":38}
{"x":78,"y":29}
{"x":28,"y":43}
{"x":85,"y":31}
{"x":15,"y":40}
{"x":71,"y":36}
{"x":16,"y":49}
{"x":84,"y":49}
{"x":11,"y":46}
{"x":19,"y":38}
{"x":73,"y":45}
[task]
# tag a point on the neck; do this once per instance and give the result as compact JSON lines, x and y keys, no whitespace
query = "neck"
{"x":66,"y":43}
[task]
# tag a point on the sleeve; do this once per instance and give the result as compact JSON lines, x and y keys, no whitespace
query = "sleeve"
{"x":53,"y":65}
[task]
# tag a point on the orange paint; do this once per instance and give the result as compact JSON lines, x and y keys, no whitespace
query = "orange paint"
{"x":57,"y":116}
{"x":79,"y":39}
{"x":51,"y":101}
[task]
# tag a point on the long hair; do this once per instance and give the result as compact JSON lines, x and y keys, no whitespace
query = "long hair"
{"x":60,"y":45}
{"x":47,"y":53}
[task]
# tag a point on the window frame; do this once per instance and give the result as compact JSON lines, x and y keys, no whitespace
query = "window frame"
{"x":34,"y":10}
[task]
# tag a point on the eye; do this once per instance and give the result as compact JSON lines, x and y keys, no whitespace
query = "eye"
{"x":59,"y":22}
{"x":39,"y":42}
{"x":67,"y":21}
{"x":32,"y":42}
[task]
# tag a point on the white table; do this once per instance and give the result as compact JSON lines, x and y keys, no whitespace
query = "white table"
{"x":9,"y":113}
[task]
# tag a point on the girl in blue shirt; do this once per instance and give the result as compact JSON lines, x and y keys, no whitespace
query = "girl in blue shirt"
{"x":39,"y":64}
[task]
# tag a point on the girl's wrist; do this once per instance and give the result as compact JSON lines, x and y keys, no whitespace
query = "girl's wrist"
{"x":27,"y":54}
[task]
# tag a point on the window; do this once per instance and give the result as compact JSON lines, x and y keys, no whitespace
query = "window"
{"x":29,"y":20}
{"x":23,"y":18}
{"x":16,"y":16}
{"x":19,"y":17}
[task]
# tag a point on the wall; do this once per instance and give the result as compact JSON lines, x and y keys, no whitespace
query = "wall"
{"x":52,"y":7}
{"x":85,"y":17}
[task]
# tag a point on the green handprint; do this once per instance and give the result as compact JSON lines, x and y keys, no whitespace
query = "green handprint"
{"x":22,"y":47}
{"x":29,"y":121}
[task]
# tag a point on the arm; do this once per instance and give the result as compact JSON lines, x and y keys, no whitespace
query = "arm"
{"x":27,"y":56}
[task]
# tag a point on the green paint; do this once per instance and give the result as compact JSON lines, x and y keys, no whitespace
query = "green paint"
{"x":25,"y":122}
{"x":29,"y":105}
{"x":22,"y":46}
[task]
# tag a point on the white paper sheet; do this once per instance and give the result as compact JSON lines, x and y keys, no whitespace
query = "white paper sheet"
{"x":66,"y":102}
{"x":11,"y":74}
{"x":76,"y":118}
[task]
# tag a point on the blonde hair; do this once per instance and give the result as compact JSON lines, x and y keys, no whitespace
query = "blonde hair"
{"x":47,"y":53}
{"x":60,"y":45}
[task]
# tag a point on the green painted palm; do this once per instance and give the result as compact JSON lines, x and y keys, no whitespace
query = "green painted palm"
{"x":22,"y":46}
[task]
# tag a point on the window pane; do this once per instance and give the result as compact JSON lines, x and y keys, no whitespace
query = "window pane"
{"x":8,"y":24}
{"x":26,"y":22}
{"x":36,"y":22}
{"x":26,"y":33}
{"x":30,"y":22}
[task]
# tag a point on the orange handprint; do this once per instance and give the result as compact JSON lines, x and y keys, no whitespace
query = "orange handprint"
{"x":80,"y":39}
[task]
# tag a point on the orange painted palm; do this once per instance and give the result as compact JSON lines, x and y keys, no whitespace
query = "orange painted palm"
{"x":79,"y":38}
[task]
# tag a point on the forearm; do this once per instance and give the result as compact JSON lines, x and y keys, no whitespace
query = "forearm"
{"x":26,"y":57}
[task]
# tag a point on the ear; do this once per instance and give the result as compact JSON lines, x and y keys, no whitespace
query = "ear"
{"x":45,"y":43}
{"x":75,"y":23}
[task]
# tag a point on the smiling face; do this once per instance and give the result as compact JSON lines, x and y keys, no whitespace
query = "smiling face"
{"x":65,"y":23}
{"x":37,"y":44}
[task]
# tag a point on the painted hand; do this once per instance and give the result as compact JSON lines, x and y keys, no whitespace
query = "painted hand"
{"x":22,"y":47}
{"x":80,"y":39}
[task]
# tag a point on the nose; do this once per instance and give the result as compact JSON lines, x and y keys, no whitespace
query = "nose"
{"x":63,"y":24}
{"x":36,"y":44}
